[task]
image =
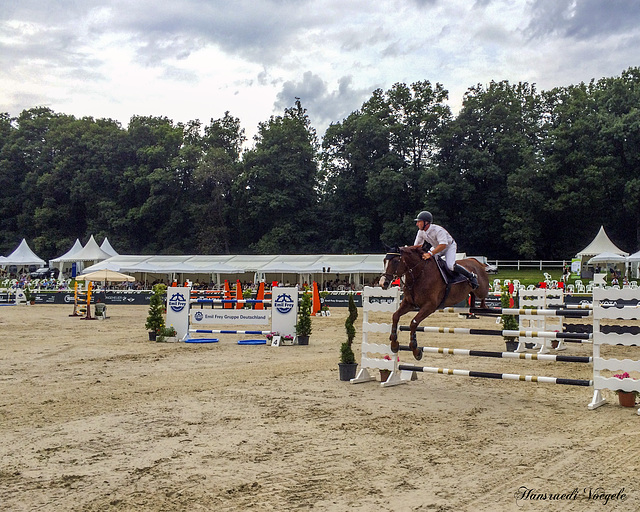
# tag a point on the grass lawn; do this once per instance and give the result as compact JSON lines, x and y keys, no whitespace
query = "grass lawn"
{"x":527,"y":276}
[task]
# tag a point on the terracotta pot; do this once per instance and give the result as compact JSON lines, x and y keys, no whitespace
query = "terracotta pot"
{"x":626,"y":398}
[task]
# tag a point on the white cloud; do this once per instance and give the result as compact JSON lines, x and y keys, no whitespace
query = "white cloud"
{"x":191,"y":59}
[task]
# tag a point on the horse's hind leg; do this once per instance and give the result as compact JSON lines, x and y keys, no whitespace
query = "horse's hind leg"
{"x":472,"y":302}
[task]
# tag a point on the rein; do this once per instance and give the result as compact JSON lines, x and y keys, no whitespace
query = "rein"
{"x":408,"y":271}
{"x":414,"y":278}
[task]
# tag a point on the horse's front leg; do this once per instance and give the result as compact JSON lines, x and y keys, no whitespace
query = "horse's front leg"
{"x":404,"y":308}
{"x":424,"y":312}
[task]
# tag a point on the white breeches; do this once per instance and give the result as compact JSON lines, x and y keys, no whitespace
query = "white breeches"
{"x":449,"y":255}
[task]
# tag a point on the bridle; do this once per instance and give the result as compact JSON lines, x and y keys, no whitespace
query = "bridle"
{"x":390,"y":257}
{"x":388,"y":275}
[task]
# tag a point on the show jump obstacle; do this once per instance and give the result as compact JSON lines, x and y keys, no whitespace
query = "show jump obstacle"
{"x":187,"y":319}
{"x":608,"y":304}
{"x":12,"y":297}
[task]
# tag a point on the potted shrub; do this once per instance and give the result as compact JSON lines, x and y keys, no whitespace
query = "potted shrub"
{"x":626,"y":398}
{"x":303,"y":327}
{"x":324,"y":309}
{"x":167,"y":334}
{"x":30,"y":297}
{"x":384,"y":373}
{"x":155,"y":319}
{"x":347,"y":364}
{"x":509,"y":322}
{"x":246,"y":295}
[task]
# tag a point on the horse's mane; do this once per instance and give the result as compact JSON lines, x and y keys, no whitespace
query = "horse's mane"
{"x":412,"y":250}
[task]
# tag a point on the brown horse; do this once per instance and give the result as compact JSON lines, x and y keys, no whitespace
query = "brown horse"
{"x":425,"y":288}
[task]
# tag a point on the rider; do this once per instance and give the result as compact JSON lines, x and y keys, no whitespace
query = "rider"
{"x":441,"y":243}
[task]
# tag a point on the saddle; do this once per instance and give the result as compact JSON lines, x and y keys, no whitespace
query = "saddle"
{"x":449,"y":276}
{"x":449,"y":279}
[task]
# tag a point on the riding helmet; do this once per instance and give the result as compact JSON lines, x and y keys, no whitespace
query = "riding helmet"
{"x":425,"y":216}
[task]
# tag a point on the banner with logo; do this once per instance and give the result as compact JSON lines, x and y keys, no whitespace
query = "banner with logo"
{"x":178,"y":309}
{"x":285,"y":310}
{"x":225,"y":316}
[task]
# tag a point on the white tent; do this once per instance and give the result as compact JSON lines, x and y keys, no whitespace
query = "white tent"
{"x":599,"y":245}
{"x":66,"y":257}
{"x":91,"y":252}
{"x":106,"y":247}
{"x":77,"y":247}
{"x":634,"y":260}
{"x":607,"y":257}
{"x":23,"y":256}
{"x":255,"y":267}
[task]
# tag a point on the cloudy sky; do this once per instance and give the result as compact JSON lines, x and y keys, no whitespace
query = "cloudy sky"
{"x":195,"y":59}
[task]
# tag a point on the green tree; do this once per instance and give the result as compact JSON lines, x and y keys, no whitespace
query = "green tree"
{"x":495,"y":136}
{"x":212,"y":197}
{"x":12,"y":169}
{"x":591,"y":163}
{"x":278,"y":186}
{"x":374,"y":162}
{"x":151,"y":211}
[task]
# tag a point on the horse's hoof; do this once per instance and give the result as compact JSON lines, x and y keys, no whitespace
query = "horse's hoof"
{"x":395,"y":346}
{"x":417,"y":353}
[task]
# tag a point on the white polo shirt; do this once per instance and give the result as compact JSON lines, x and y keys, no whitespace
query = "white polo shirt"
{"x":435,"y":235}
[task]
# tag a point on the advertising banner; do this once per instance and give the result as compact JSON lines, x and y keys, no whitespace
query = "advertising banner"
{"x":229,"y":316}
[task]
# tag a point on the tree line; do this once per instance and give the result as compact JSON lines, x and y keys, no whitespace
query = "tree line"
{"x":517,"y":174}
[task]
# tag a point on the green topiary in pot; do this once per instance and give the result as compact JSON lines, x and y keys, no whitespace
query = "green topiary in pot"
{"x":155,"y":319}
{"x":509,"y":322}
{"x":346,"y":352}
{"x":303,"y":327}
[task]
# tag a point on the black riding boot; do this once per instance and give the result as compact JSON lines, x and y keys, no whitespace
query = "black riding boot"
{"x":473,"y":279}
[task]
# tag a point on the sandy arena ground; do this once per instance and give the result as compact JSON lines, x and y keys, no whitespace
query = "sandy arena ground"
{"x":94,"y":417}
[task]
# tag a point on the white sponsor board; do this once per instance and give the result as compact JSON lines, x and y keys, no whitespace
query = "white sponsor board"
{"x":226,"y":316}
{"x":283,"y":312}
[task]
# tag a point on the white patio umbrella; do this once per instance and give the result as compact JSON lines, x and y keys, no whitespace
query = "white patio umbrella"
{"x":105,"y":275}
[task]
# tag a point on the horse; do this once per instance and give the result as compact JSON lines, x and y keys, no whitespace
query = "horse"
{"x":425,"y":288}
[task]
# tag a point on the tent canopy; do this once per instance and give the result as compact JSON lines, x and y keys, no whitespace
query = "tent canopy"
{"x":240,"y":264}
{"x":607,"y":257}
{"x":23,"y":255}
{"x":106,"y":247}
{"x":68,"y":256}
{"x":600,"y":244}
{"x":90,"y":252}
